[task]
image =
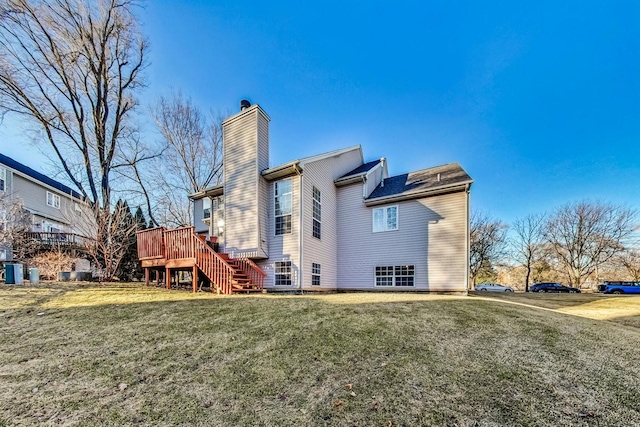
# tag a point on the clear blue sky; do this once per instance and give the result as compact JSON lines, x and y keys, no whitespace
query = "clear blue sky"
{"x":538,"y":101}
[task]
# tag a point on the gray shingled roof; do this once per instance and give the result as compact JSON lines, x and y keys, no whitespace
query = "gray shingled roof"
{"x":421,"y":181}
{"x":361,"y":169}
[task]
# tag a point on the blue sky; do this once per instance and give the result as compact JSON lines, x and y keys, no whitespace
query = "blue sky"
{"x":539,"y":102}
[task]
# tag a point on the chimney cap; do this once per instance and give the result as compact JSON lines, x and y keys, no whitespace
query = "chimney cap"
{"x":244,"y":104}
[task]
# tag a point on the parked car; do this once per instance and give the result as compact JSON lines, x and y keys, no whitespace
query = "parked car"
{"x":493,"y":287}
{"x":552,"y":287}
{"x":619,"y":288}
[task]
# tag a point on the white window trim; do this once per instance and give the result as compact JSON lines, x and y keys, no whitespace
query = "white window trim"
{"x":393,"y":277}
{"x":313,"y":218}
{"x":318,"y":275}
{"x":276,"y":273}
{"x":275,"y":217}
{"x":54,"y":197}
{"x":384,"y":210}
{"x":3,"y":178}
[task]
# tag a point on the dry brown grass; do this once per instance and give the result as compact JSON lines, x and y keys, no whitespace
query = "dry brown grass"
{"x":129,"y":355}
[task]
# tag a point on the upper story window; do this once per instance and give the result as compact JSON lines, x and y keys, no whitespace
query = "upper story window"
{"x":53,"y":200}
{"x":3,"y":179}
{"x":78,"y":209}
{"x":317,"y":212}
{"x":283,"y":203}
{"x":385,"y":219}
{"x":206,"y":208}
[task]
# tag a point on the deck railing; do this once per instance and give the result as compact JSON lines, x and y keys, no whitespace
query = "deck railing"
{"x":59,"y":239}
{"x":178,"y":243}
{"x":151,"y":243}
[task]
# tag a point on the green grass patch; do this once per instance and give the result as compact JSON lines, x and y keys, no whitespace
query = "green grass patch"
{"x":129,"y":355}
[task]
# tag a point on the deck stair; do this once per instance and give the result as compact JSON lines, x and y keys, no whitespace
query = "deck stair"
{"x":183,"y":249}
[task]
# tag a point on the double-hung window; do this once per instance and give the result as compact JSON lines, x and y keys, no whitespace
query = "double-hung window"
{"x":317,"y":212}
{"x":385,"y":219}
{"x":283,"y":205}
{"x":53,"y":200}
{"x":315,"y":274}
{"x":3,"y":179}
{"x":395,"y":275}
{"x":283,"y":273}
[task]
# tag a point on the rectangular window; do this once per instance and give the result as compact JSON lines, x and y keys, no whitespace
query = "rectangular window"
{"x":206,"y":208}
{"x":385,"y":219}
{"x":317,"y":212}
{"x":283,"y":206}
{"x":53,"y":200}
{"x":315,"y":274}
{"x":3,"y":179}
{"x":398,"y":275}
{"x":283,"y":273}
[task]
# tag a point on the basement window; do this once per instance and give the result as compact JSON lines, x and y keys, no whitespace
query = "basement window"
{"x":395,"y":275}
{"x":315,"y":274}
{"x":283,"y":273}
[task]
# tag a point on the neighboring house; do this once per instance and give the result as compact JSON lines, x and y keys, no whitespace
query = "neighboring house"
{"x":58,"y":214}
{"x":333,"y":221}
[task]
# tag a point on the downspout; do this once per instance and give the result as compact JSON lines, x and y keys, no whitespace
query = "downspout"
{"x":300,"y":233}
{"x":468,"y":237}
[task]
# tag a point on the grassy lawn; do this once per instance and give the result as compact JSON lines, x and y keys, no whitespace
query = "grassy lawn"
{"x":129,"y":355}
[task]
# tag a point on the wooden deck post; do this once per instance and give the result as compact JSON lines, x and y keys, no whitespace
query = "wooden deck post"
{"x":195,"y":279}
{"x":146,"y":276}
{"x":167,"y":274}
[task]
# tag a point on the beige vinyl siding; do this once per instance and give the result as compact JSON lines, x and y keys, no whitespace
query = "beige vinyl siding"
{"x":324,"y":251}
{"x":263,"y":185}
{"x":431,"y":236}
{"x":243,"y":137}
{"x":283,"y":247}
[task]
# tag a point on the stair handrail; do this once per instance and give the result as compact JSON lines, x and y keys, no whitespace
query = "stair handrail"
{"x":255,"y":274}
{"x":222,"y":279}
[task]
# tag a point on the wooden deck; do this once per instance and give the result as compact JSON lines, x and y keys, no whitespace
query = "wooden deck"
{"x":161,"y":250}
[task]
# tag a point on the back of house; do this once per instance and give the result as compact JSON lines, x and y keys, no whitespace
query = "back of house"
{"x":333,"y":221}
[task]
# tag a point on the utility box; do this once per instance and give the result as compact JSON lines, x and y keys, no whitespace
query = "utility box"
{"x":9,"y":277}
{"x":18,"y":274}
{"x":13,"y":274}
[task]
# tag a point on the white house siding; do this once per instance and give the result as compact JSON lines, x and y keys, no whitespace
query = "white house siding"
{"x":324,"y":251}
{"x":244,"y":138}
{"x":263,"y":185}
{"x":431,"y":236}
{"x":283,"y":247}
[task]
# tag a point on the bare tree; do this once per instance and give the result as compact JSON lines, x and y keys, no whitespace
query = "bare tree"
{"x":116,"y":233}
{"x":487,"y":238}
{"x":15,"y":223}
{"x":191,"y":157}
{"x":528,"y":243}
{"x":72,"y":68}
{"x":585,"y":235}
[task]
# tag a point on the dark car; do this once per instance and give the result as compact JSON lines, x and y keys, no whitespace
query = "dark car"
{"x":619,"y":288}
{"x":552,"y":287}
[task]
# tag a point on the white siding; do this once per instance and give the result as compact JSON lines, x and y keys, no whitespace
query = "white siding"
{"x":324,"y":251}
{"x":283,"y":247}
{"x":246,"y":147}
{"x":373,"y":179}
{"x":431,"y":236}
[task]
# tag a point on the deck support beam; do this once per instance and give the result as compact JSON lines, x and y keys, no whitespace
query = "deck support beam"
{"x":167,"y":274}
{"x":195,"y":279}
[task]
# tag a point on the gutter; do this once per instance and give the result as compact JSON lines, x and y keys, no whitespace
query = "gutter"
{"x":300,"y":233}
{"x":451,"y":188}
{"x":468,"y":237}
